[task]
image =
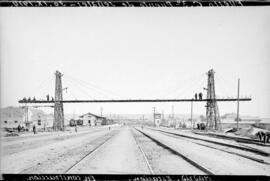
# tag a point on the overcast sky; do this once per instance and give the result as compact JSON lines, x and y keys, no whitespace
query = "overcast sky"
{"x":136,"y":53}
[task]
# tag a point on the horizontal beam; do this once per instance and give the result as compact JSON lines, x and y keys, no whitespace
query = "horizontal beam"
{"x":37,"y":106}
{"x":136,"y":100}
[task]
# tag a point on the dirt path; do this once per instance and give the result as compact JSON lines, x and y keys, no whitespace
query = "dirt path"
{"x":120,"y":155}
{"x":37,"y":141}
{"x":54,"y":157}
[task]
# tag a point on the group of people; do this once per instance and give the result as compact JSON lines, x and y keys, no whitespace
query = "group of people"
{"x":198,"y":95}
{"x":34,"y":99}
{"x":48,"y":97}
{"x":201,"y":126}
{"x":20,"y":128}
{"x":29,"y":99}
{"x":263,"y":136}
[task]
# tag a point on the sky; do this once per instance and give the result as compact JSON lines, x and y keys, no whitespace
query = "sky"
{"x":118,"y":53}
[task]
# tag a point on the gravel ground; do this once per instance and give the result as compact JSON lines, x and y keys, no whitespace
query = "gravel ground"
{"x":231,"y":150}
{"x":53,"y":157}
{"x":163,"y":161}
{"x":57,"y":152}
{"x":120,"y":155}
{"x":36,"y":141}
{"x":189,"y":133}
{"x":217,"y":161}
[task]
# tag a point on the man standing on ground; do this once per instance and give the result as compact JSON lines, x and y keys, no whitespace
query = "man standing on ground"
{"x":34,"y":129}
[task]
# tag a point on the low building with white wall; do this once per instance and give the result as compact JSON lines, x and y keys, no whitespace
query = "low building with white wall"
{"x":91,"y":119}
{"x":12,"y":117}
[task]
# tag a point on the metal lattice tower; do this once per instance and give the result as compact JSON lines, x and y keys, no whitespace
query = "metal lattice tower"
{"x":58,"y":123}
{"x":212,"y":112}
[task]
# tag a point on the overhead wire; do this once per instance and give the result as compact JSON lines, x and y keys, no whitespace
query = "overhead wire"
{"x":94,"y":87}
{"x":79,"y":87}
{"x":190,"y":88}
{"x":92,"y":90}
{"x":185,"y":82}
{"x":41,"y":86}
{"x":76,"y":85}
{"x":224,"y":81}
{"x":70,"y":92}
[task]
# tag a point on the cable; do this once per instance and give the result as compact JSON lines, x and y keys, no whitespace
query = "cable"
{"x":222,"y":86}
{"x":79,"y":87}
{"x":93,"y":87}
{"x":41,"y":86}
{"x":224,"y":80}
{"x":190,"y":86}
{"x":184,"y":83}
{"x":190,"y":89}
{"x":70,"y":92}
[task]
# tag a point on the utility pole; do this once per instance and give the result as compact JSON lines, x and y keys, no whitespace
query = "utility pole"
{"x":191,"y":116}
{"x":26,"y":116}
{"x":101,"y":110}
{"x":238,"y":90}
{"x":172,"y":121}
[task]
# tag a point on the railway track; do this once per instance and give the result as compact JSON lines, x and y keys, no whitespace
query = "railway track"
{"x":249,"y":149}
{"x":238,"y":154}
{"x":90,"y":154}
{"x":175,"y":152}
{"x":23,"y":145}
{"x":98,"y":144}
{"x":237,"y":139}
{"x":144,"y":155}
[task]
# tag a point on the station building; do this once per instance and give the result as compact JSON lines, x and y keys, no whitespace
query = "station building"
{"x":93,"y":120}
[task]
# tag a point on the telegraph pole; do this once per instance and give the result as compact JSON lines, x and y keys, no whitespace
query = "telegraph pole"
{"x":101,"y":110}
{"x":238,"y":90}
{"x":26,"y":116}
{"x":154,"y":111}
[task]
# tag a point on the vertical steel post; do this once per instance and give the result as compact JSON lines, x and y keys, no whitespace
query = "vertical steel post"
{"x":58,"y":123}
{"x":26,"y":117}
{"x":212,"y":111}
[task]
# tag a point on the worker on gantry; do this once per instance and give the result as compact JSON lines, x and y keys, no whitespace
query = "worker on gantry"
{"x":200,"y":96}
